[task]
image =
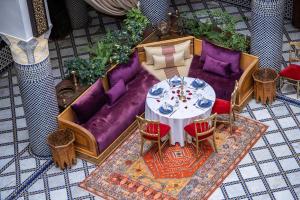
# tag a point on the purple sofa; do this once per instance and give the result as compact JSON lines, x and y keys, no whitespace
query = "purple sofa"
{"x":223,"y":86}
{"x":110,"y":121}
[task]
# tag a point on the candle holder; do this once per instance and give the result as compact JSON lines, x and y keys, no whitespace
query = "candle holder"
{"x":182,"y":97}
{"x":74,"y":79}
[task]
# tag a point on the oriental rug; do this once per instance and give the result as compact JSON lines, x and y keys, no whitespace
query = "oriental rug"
{"x":180,"y":175}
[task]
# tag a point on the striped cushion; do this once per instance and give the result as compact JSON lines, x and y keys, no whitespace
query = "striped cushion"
{"x":168,"y":60}
{"x":164,"y":50}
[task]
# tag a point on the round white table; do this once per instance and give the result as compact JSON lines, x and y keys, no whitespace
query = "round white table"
{"x":184,"y":113}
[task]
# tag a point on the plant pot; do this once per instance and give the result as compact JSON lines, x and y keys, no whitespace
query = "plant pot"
{"x":155,"y":10}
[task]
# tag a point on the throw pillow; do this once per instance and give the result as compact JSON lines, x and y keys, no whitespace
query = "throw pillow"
{"x":89,"y":103}
{"x":222,"y":54}
{"x":169,"y":60}
{"x":116,"y":92}
{"x":164,"y":50}
{"x":125,"y":71}
{"x":216,"y":66}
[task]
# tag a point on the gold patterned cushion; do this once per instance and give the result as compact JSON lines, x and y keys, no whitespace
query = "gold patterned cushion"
{"x":164,"y":50}
{"x":168,"y":60}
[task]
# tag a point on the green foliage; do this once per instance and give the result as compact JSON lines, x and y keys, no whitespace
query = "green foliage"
{"x":221,"y":32}
{"x":88,"y":71}
{"x":114,"y":48}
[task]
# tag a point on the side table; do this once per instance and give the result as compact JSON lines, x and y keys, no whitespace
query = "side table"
{"x":265,"y":85}
{"x":67,"y":92}
{"x":62,"y":147}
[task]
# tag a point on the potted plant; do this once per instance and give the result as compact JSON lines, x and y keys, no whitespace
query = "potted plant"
{"x":222,"y":32}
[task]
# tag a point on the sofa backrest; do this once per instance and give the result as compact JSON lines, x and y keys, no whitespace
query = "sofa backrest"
{"x":141,"y":50}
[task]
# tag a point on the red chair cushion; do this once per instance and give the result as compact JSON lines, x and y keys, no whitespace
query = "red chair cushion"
{"x":221,"y":107}
{"x":204,"y":126}
{"x":292,"y":71}
{"x":153,"y":129}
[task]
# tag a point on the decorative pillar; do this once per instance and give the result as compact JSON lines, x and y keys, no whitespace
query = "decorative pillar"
{"x":155,"y":10}
{"x":78,"y":13}
{"x":267,"y":32}
{"x":37,"y":89}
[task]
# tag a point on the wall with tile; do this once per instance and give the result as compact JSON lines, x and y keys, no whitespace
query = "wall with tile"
{"x":247,"y":3}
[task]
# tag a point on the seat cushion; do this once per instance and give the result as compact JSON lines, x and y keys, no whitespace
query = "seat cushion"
{"x":116,"y":92}
{"x":223,"y":86}
{"x":89,"y":103}
{"x":168,"y":60}
{"x":221,"y":107}
{"x":216,"y":66}
{"x":204,"y":126}
{"x":292,"y":71}
{"x":125,"y":71}
{"x":109,"y":122}
{"x":163,"y":50}
{"x":153,"y":129}
{"x":223,"y":54}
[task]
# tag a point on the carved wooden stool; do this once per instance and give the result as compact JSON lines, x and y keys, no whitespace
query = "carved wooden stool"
{"x":265,"y":85}
{"x":62,"y":147}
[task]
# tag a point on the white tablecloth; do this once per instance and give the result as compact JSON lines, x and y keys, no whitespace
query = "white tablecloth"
{"x":185,"y":113}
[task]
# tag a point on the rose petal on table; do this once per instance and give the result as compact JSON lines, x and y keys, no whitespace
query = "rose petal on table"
{"x":172,"y":98}
{"x":173,"y":92}
{"x":188,"y":98}
{"x":190,"y":93}
{"x":178,"y":91}
{"x":157,"y":100}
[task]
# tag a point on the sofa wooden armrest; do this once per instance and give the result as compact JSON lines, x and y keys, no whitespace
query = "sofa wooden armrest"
{"x":84,"y":140}
{"x":249,"y":64}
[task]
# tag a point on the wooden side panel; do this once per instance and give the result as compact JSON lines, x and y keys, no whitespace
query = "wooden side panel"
{"x":197,"y":47}
{"x":249,"y":64}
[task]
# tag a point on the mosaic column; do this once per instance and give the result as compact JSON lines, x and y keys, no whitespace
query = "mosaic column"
{"x":78,"y":13}
{"x":267,"y":32}
{"x":155,"y":10}
{"x":37,"y":89}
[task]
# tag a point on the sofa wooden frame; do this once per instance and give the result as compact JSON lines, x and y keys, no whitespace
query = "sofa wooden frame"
{"x":86,"y":146}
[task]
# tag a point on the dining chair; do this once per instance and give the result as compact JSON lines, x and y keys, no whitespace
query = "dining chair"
{"x":222,"y":106}
{"x":291,"y":74}
{"x":201,"y":130}
{"x":153,"y":131}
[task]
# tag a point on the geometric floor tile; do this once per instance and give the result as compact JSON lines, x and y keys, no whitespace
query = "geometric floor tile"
{"x":274,"y":159}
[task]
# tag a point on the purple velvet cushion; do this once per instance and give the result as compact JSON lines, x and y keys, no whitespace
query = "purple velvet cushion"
{"x":116,"y":91}
{"x":88,"y":104}
{"x":222,"y":54}
{"x":216,"y":66}
{"x":125,"y":71}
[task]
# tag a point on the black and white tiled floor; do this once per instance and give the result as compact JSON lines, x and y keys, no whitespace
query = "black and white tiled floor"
{"x":271,"y":170}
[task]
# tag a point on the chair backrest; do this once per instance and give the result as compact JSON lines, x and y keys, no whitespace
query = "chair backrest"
{"x":207,"y":125}
{"x":234,"y":95}
{"x":294,"y":53}
{"x":148,"y":127}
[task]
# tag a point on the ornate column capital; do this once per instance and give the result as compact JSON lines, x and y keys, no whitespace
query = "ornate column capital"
{"x":27,"y":53}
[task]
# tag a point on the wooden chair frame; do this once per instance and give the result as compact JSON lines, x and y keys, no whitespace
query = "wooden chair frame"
{"x":294,"y":49}
{"x":142,"y":125}
{"x":232,"y":106}
{"x":212,"y":123}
